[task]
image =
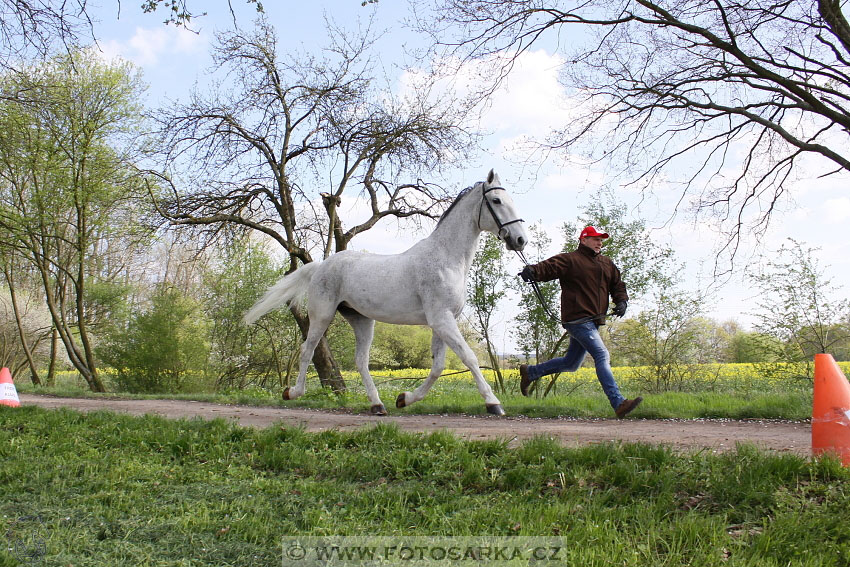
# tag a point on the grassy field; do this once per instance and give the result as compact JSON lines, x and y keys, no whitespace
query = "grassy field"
{"x":104,"y":489}
{"x":734,"y":391}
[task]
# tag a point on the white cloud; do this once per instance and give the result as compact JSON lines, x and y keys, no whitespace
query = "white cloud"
{"x":528,"y":102}
{"x":531,"y":100}
{"x":150,"y":46}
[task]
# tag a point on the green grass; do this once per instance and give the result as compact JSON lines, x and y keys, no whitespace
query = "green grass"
{"x":104,"y":489}
{"x":796,"y":406}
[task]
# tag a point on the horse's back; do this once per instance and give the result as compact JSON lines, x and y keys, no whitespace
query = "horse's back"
{"x":378,"y":286}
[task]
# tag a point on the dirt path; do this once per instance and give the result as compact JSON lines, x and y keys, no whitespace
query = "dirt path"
{"x":715,"y":435}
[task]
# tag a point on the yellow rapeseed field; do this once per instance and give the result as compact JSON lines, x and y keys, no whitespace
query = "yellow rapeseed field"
{"x":707,"y":377}
{"x":724,"y":377}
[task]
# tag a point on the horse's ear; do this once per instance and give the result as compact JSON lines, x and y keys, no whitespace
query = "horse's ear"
{"x":490,"y":177}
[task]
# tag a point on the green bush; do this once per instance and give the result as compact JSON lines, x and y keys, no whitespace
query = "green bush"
{"x":164,"y":348}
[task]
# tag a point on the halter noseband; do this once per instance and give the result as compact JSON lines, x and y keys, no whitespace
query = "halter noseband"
{"x":500,"y":224}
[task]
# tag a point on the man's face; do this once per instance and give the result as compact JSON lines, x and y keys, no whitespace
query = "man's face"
{"x":593,"y":242}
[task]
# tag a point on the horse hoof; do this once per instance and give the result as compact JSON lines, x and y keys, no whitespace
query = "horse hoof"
{"x":495,"y":409}
{"x":378,"y":409}
{"x":399,"y":401}
{"x":286,"y":394}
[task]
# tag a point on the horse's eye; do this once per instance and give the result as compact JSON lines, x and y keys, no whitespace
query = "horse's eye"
{"x":497,"y":201}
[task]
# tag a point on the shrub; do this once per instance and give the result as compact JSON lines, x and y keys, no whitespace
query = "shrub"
{"x":163,"y":349}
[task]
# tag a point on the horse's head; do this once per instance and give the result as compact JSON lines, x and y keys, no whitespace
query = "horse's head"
{"x":501,"y":217}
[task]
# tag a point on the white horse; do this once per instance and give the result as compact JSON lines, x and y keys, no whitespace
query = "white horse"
{"x":425,"y":285}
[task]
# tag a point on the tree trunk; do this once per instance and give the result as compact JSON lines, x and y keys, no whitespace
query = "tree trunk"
{"x":92,"y":378}
{"x":21,"y":333}
{"x":54,"y":352}
{"x":494,"y":360}
{"x":326,"y":367}
{"x":78,"y":359}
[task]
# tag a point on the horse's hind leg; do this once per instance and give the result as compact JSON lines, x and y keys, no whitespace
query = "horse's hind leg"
{"x":438,"y":353}
{"x":320,"y":319}
{"x":364,"y":331}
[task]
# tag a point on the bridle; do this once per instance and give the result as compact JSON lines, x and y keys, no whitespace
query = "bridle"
{"x":498,"y":221}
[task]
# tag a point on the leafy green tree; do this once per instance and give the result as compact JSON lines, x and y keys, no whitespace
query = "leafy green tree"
{"x":841,"y":348}
{"x":68,"y":135}
{"x":753,"y":347}
{"x":260,"y":355}
{"x":537,"y":331}
{"x":663,"y":341}
{"x":165,"y":347}
{"x":486,"y":286}
{"x":401,"y":346}
{"x":630,"y":332}
{"x":711,"y":341}
{"x":799,"y":306}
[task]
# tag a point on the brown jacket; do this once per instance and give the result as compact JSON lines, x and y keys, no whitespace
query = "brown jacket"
{"x":587,"y":279}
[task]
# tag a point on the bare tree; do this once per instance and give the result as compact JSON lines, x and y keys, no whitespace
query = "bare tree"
{"x":33,"y":29}
{"x":734,"y":93}
{"x":277,"y":148}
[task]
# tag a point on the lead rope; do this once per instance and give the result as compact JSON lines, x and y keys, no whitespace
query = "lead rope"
{"x":420,"y":378}
{"x":538,"y":293}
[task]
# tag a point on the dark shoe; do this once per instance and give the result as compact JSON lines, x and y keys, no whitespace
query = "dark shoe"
{"x":524,"y":380}
{"x":627,"y":406}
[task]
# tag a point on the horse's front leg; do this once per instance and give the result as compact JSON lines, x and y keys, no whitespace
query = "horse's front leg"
{"x":438,"y":354}
{"x":445,"y":325}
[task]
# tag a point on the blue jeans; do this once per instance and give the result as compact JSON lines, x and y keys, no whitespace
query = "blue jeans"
{"x":584,"y":339}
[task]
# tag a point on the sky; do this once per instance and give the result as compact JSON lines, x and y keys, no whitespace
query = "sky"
{"x":173,"y":60}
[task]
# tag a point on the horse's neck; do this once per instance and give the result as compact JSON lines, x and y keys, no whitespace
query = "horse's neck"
{"x":457,"y":235}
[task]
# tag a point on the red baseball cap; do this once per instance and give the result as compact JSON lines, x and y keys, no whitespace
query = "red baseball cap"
{"x":591,"y":231}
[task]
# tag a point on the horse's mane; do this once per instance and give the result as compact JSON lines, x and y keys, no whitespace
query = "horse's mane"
{"x":460,"y":196}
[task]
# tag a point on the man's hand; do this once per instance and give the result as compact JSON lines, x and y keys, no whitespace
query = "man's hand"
{"x":620,"y":309}
{"x":527,"y":274}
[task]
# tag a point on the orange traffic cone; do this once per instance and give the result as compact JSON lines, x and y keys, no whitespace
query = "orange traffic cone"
{"x":831,"y":409}
{"x":8,"y":393}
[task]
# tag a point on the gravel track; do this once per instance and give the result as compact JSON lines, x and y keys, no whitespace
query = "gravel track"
{"x":687,"y":435}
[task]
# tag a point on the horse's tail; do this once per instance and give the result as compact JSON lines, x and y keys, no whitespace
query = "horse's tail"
{"x":290,"y":289}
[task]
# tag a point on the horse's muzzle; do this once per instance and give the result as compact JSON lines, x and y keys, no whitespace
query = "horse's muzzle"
{"x":515,"y":243}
